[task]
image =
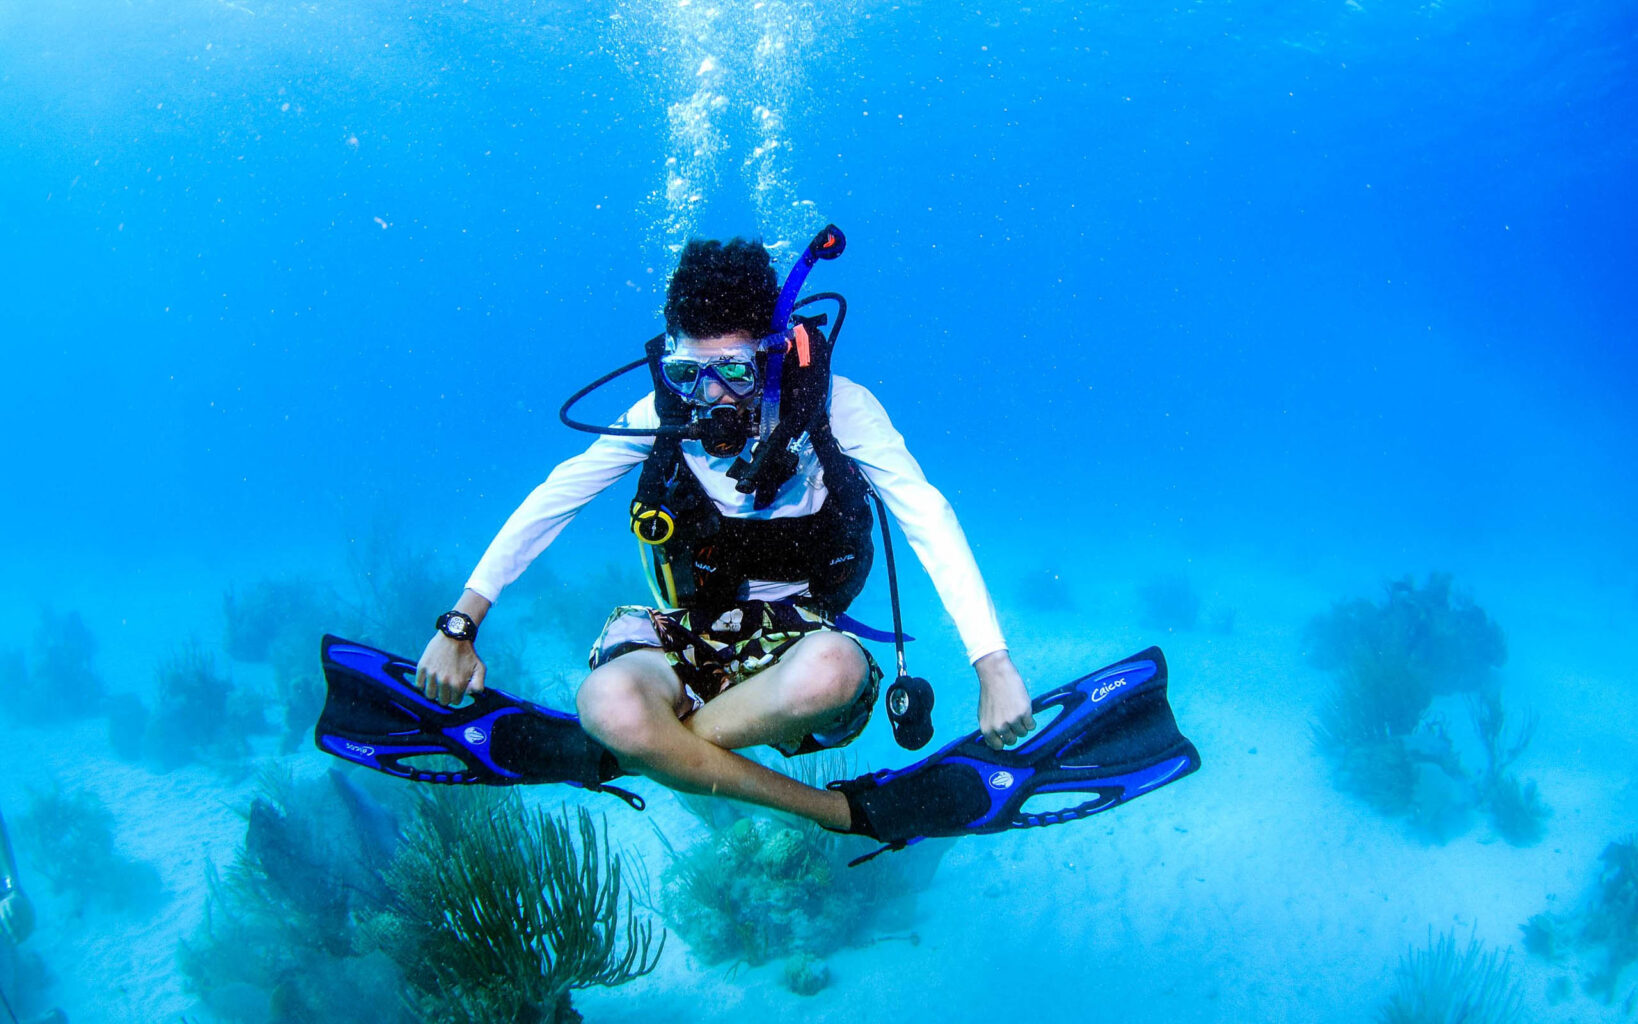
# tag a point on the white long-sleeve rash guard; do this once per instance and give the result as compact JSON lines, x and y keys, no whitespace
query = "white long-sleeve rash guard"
{"x":864,"y":434}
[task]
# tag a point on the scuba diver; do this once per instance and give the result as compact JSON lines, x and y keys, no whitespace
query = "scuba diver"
{"x":759,"y":471}
{"x":16,"y":925}
{"x":16,"y":912}
{"x":745,"y":650}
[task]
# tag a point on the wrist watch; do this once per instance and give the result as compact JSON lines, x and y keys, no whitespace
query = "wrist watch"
{"x":458,"y":626}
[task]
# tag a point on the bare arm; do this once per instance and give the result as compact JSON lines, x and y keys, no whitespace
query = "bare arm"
{"x":868,"y":437}
{"x":929,"y":523}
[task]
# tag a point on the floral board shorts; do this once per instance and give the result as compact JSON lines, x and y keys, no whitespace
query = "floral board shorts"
{"x":736,"y":645}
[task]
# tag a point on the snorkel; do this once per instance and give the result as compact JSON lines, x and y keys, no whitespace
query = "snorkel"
{"x":827,"y":245}
{"x":793,"y":390}
{"x":785,"y":418}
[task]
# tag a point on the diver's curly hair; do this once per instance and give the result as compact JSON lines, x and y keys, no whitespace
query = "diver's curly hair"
{"x":721,"y":288}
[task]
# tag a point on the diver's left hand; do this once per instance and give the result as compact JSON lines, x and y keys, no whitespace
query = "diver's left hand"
{"x":16,"y":917}
{"x":1003,"y":702}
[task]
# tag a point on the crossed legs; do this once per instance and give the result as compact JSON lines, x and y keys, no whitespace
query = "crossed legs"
{"x":631,"y":704}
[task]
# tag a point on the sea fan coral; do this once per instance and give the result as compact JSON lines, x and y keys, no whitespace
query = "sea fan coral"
{"x":62,"y":677}
{"x":500,"y":913}
{"x":270,"y":611}
{"x":1432,"y":639}
{"x":198,"y":711}
{"x":1390,"y":660}
{"x":73,"y":837}
{"x":1442,"y":984}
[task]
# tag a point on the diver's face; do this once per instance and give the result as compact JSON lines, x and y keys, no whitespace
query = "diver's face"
{"x":732,"y":348}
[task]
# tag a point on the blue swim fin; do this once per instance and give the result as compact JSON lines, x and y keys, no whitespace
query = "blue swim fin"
{"x":375,"y":716}
{"x":1113,"y":737}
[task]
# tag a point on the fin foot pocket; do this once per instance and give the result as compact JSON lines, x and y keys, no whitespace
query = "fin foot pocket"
{"x":1111,"y":738}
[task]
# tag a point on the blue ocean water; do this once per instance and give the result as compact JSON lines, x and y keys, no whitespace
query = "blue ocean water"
{"x":1285,"y":301}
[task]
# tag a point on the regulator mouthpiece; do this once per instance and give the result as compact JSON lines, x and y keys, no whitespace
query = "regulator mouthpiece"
{"x":723,"y":430}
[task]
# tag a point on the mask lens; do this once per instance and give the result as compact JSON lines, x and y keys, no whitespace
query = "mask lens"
{"x":685,"y":375}
{"x":680,"y":371}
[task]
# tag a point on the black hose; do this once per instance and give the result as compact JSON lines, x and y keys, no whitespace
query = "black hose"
{"x":592,"y":428}
{"x":678,"y":431}
{"x":892,"y":581}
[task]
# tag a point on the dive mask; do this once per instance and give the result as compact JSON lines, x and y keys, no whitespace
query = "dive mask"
{"x":686,"y":369}
{"x":686,"y":375}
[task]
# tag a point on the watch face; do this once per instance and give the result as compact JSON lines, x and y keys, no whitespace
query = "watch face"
{"x":457,"y":625}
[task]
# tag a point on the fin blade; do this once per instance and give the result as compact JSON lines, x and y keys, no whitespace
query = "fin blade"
{"x":1115,"y":738}
{"x":373,"y":716}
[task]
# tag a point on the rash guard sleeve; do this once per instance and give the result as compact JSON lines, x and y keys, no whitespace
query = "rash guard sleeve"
{"x":548,"y":509}
{"x":868,"y":437}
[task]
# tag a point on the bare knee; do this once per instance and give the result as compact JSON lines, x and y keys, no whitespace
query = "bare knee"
{"x":616,"y":710}
{"x":825,"y":671}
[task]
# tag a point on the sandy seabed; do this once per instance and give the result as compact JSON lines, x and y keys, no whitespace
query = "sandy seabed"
{"x":1252,"y":890}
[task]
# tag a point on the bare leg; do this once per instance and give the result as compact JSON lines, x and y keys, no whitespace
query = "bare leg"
{"x":630,"y":705}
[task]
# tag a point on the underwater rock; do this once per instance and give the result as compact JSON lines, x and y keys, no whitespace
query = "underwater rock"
{"x":1546,"y":936}
{"x":285,"y":927}
{"x":806,"y":974}
{"x":783,"y":853}
{"x":760,"y":890}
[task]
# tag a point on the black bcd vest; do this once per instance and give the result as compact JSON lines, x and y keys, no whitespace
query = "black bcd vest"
{"x":711,"y":556}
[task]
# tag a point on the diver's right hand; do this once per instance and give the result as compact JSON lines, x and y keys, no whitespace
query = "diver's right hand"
{"x":449,"y":670}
